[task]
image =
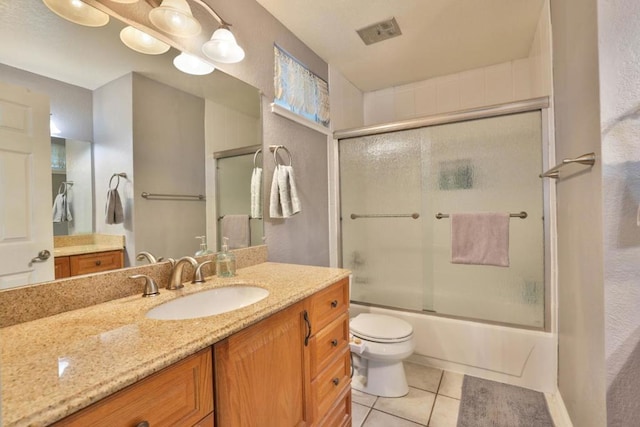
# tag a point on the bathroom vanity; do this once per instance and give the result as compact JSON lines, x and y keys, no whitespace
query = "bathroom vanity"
{"x":281,"y":361}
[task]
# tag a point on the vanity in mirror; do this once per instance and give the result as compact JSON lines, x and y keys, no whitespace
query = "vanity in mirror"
{"x":124,"y":120}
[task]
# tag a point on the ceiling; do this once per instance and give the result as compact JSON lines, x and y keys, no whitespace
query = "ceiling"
{"x":439,"y":37}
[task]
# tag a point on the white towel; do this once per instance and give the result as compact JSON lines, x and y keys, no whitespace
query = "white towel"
{"x":284,"y":193}
{"x":480,"y":238}
{"x":256,"y":193}
{"x":61,"y":209}
{"x":236,"y":229}
{"x":113,"y":208}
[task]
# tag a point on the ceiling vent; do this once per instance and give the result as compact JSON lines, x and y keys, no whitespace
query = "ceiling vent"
{"x":381,"y":31}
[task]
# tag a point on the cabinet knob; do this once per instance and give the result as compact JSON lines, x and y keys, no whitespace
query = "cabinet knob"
{"x":335,"y":381}
{"x":99,"y":262}
{"x":334,"y":303}
{"x":143,"y":424}
{"x":334,"y":342}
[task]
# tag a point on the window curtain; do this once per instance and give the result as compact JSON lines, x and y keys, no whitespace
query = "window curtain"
{"x":299,"y":90}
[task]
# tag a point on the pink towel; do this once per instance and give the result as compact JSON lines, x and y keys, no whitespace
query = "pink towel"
{"x":480,"y":238}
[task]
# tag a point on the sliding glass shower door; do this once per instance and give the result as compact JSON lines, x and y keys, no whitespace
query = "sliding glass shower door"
{"x":400,"y":261}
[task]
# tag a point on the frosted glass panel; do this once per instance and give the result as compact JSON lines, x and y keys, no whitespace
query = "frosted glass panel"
{"x":488,"y":165}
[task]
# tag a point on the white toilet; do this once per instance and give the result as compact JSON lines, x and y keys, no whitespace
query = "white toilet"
{"x":379,"y":344}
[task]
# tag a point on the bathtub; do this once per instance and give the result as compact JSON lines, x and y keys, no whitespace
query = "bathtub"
{"x":521,"y":357}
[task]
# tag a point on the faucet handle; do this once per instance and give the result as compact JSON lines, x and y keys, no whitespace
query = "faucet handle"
{"x":171,"y":260}
{"x":150,"y":286}
{"x":198,"y":276}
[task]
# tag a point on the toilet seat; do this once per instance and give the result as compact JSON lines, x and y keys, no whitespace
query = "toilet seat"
{"x":380,"y":328}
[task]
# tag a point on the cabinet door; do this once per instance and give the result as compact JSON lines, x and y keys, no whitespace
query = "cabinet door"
{"x":260,"y":373}
{"x":62,"y":267}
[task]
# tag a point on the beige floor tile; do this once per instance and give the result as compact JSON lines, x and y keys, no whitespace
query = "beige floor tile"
{"x":423,"y":377}
{"x":380,"y":419}
{"x":363,"y":398}
{"x":358,"y":414}
{"x":445,"y":412}
{"x":415,"y":406}
{"x":451,"y":385}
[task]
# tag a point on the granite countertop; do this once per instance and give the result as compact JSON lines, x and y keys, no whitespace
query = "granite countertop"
{"x":55,"y":366}
{"x":85,"y":249}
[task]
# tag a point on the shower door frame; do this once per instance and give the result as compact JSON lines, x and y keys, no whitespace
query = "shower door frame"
{"x":544,"y":106}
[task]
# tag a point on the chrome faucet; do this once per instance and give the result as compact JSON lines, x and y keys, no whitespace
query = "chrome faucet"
{"x":144,"y":254}
{"x":175,"y":281}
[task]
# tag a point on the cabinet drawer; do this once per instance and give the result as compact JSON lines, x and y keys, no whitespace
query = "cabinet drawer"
{"x":328,"y":304}
{"x":93,"y":263}
{"x":330,"y":383}
{"x":180,"y":395}
{"x":340,"y":414}
{"x":328,"y":343}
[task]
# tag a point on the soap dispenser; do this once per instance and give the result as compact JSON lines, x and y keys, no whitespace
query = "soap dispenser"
{"x":203,"y":246}
{"x":225,"y":261}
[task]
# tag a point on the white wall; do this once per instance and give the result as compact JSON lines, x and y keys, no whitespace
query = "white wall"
{"x":346,"y":100}
{"x":113,"y":145}
{"x":519,"y":79}
{"x":581,"y":365}
{"x":80,"y":172}
{"x":619,"y":66}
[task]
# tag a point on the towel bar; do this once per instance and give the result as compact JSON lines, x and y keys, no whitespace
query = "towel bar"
{"x":588,"y":159}
{"x":150,"y":196}
{"x":521,"y":215}
{"x":412,"y":215}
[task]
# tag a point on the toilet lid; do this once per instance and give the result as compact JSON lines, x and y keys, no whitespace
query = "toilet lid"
{"x":381,"y":328}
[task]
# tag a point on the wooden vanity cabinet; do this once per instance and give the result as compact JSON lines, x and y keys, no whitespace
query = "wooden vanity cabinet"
{"x":291,"y":369}
{"x":179,"y":395}
{"x":75,"y":265}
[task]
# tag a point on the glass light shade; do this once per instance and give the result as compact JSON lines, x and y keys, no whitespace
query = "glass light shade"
{"x":78,"y":12}
{"x":191,"y":64}
{"x":125,"y":1}
{"x":142,"y":42}
{"x":174,"y":17}
{"x":223,"y":47}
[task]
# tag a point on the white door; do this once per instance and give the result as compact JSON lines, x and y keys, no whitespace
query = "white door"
{"x":25,"y":187}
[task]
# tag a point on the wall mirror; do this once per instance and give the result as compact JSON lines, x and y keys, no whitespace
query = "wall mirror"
{"x":140,"y":116}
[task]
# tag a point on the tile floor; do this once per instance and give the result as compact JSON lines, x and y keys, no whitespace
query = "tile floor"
{"x":433,"y":400}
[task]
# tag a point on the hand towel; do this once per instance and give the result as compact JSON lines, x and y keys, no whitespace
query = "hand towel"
{"x":113,"y":209}
{"x":61,"y":209}
{"x":236,"y":229}
{"x":284,"y":193}
{"x":480,"y":238}
{"x":256,"y":193}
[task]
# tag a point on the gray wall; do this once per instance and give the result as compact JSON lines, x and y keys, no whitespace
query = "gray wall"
{"x":304,"y":238}
{"x":579,"y":201}
{"x":619,"y":44}
{"x":168,"y":158}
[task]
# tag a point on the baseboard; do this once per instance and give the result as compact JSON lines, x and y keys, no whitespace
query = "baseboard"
{"x":558,"y":410}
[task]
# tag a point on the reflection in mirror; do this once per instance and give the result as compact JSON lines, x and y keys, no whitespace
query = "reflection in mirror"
{"x":72,"y":186}
{"x":140,"y":116}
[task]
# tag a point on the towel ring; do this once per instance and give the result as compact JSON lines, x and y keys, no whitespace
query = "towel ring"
{"x":116,"y":175}
{"x":255,"y":156}
{"x":275,"y":157}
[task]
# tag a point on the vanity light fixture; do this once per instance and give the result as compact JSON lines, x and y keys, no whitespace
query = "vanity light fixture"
{"x":174,"y":17}
{"x":125,"y":1}
{"x":191,"y":64}
{"x":78,"y":12}
{"x":142,"y":42}
{"x":223,"y":47}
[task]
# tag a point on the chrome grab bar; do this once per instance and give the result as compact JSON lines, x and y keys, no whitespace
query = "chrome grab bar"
{"x":412,"y":215}
{"x":588,"y":159}
{"x":521,"y":215}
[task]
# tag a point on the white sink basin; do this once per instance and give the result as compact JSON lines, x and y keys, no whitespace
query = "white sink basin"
{"x":208,"y":303}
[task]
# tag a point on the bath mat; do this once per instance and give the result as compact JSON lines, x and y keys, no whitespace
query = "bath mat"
{"x":487,"y":403}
